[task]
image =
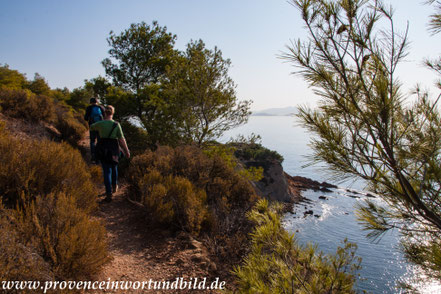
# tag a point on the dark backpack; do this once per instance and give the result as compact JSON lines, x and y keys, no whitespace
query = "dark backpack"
{"x":96,"y":114}
{"x":107,"y":149}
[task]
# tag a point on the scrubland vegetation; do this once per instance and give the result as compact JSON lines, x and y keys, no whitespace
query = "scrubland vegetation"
{"x":183,"y":180}
{"x":278,"y":264}
{"x":184,"y":188}
{"x":47,"y":190}
{"x":45,"y":223}
{"x":21,"y":98}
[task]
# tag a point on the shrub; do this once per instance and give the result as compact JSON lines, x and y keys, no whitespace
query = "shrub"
{"x":278,"y":264}
{"x":227,"y":154}
{"x":40,"y":108}
{"x":49,"y":234}
{"x":224,"y":190}
{"x":173,"y":200}
{"x":71,"y":128}
{"x":64,"y":235}
{"x":43,"y":167}
{"x":25,"y":104}
{"x":256,"y":152}
{"x":210,"y":174}
{"x":138,"y":142}
{"x":189,"y":189}
{"x":19,"y":261}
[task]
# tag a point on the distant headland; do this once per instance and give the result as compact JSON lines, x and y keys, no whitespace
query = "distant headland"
{"x":283,"y":111}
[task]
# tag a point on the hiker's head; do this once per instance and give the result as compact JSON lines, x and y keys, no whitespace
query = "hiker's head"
{"x":93,"y":100}
{"x":109,"y":111}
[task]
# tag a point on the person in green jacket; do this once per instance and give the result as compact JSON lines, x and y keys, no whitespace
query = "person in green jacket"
{"x":109,"y":129}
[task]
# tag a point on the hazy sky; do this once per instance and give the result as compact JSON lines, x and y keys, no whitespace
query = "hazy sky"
{"x":65,"y":41}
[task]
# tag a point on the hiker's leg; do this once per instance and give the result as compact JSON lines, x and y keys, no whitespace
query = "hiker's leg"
{"x":115,"y":177}
{"x":93,"y":135}
{"x":107,"y":172}
{"x":115,"y":174}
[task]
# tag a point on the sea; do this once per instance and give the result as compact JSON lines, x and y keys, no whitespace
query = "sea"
{"x":383,"y":264}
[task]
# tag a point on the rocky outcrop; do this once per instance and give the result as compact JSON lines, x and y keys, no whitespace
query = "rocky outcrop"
{"x":279,"y":186}
{"x":274,"y":185}
{"x":302,"y":183}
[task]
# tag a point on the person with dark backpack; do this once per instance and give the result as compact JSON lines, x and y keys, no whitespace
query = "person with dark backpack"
{"x":111,"y":141}
{"x":94,"y":113}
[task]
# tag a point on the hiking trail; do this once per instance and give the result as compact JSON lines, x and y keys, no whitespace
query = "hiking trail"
{"x":140,"y":252}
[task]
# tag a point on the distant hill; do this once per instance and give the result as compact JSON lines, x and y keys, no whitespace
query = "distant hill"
{"x":284,"y":111}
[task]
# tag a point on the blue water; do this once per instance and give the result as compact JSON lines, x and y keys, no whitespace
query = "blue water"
{"x":383,"y":265}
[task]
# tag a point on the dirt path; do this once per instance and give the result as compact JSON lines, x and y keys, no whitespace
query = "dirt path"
{"x":143,"y":253}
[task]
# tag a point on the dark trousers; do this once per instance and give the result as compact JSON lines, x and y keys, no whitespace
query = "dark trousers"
{"x":94,"y":137}
{"x":110,"y":172}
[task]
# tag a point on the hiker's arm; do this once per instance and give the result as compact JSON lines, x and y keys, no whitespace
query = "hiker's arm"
{"x":123,"y":144}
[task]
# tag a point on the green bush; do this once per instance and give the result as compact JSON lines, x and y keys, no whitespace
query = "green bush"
{"x":216,"y":194}
{"x":255,"y":152}
{"x":43,"y":167}
{"x":25,"y":104}
{"x":227,"y":154}
{"x":71,"y":128}
{"x":173,"y":200}
{"x":40,"y":108}
{"x":278,"y":264}
{"x":213,"y":175}
{"x":47,"y":232}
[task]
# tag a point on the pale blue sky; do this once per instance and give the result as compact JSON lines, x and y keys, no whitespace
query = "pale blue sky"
{"x":65,"y":41}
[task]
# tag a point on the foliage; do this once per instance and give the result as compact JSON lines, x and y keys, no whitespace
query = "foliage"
{"x":212,"y":195}
{"x":256,"y":152}
{"x":24,"y":104}
{"x":61,"y":95}
{"x":41,"y":168}
{"x":42,"y":105}
{"x":363,"y":127}
{"x":64,"y":235}
{"x":137,"y":138}
{"x":79,"y":98}
{"x":39,"y":86}
{"x":177,"y":97}
{"x":49,"y":239}
{"x":139,"y":57}
{"x":199,"y":83}
{"x":251,"y":149}
{"x":227,"y":154}
{"x":99,"y":87}
{"x":19,"y":261}
{"x":141,"y":53}
{"x":47,"y":232}
{"x":278,"y":264}
{"x":12,"y":79}
{"x":173,"y":200}
{"x":71,"y":126}
{"x":435,"y":17}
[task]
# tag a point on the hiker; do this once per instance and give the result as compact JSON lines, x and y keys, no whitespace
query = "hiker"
{"x":94,"y":113}
{"x":110,"y":143}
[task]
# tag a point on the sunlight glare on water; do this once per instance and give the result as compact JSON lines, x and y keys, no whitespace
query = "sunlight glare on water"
{"x":333,"y":220}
